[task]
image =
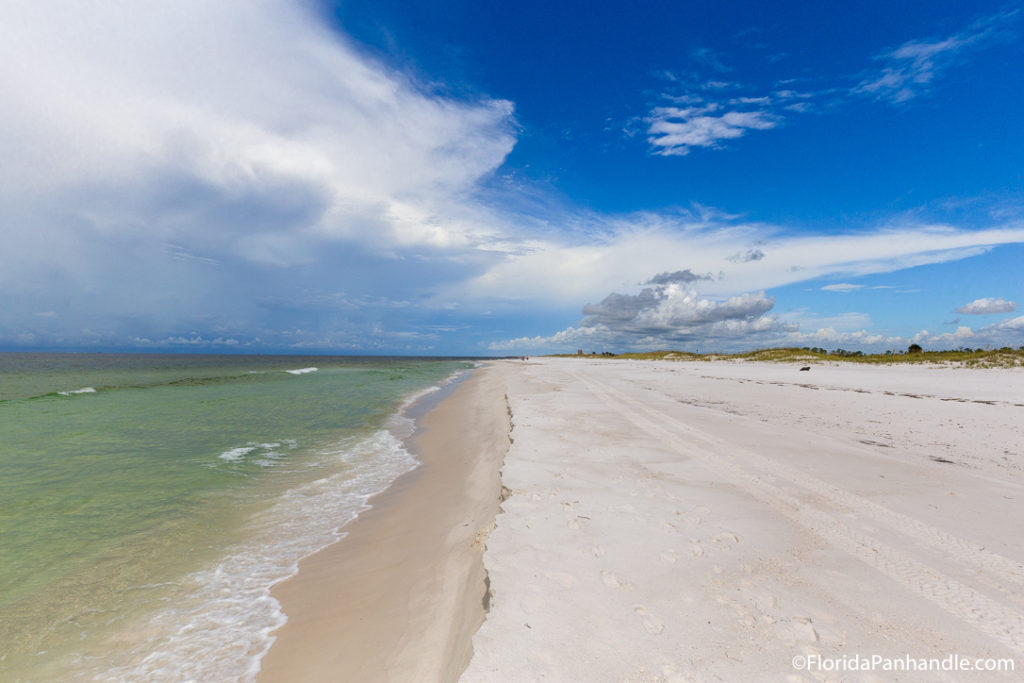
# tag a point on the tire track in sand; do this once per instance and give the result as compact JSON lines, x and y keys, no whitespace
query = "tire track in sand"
{"x":967,"y":553}
{"x":1000,"y":623}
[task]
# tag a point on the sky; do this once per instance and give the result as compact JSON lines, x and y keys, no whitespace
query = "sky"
{"x":474,"y":178}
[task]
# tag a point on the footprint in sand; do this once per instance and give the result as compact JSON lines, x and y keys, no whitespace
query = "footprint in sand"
{"x":597,"y":550}
{"x":562,"y":579}
{"x":696,"y":548}
{"x":611,"y":580}
{"x":672,"y":674}
{"x":669,"y":556}
{"x":800,"y":629}
{"x":532,"y":604}
{"x":651,"y":623}
{"x":572,"y":523}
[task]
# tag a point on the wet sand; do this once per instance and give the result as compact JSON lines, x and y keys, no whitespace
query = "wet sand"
{"x":400,"y":596}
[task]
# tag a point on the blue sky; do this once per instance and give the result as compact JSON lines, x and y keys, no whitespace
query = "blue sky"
{"x":508,"y":178}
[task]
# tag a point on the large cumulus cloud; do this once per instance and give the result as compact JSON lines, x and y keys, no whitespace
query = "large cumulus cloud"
{"x":663,"y":314}
{"x":170,"y":166}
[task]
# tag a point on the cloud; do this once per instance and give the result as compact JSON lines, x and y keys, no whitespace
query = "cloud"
{"x":668,"y":309}
{"x":1012,"y":324}
{"x":169,"y":165}
{"x":857,"y":339}
{"x":746,"y":256}
{"x":844,"y":322}
{"x":196,"y":340}
{"x":841,"y":287}
{"x":710,"y":58}
{"x":686,"y":320}
{"x":1009,"y":332}
{"x":113,"y":95}
{"x":183,"y":173}
{"x":552,"y":276}
{"x":679,"y":277}
{"x":717,"y":110}
{"x":619,"y":251}
{"x":673,"y":131}
{"x":660,"y":315}
{"x":986,"y":306}
{"x":909,"y":70}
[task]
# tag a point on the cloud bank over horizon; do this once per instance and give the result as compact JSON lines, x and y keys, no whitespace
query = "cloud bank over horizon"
{"x":244,"y":176}
{"x":217,"y":149}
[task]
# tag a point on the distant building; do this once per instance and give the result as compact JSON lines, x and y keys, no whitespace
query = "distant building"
{"x":579,"y":352}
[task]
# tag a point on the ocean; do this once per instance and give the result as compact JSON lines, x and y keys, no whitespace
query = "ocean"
{"x":149,"y":502}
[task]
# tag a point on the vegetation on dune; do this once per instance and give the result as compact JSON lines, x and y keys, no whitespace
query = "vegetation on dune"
{"x":1005,"y":357}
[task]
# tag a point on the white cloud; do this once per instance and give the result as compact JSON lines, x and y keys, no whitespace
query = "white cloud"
{"x":621,"y":251}
{"x":555,"y":276}
{"x":910,"y":69}
{"x":662,"y":315}
{"x":166,"y":163}
{"x":117,"y":110}
{"x":227,"y":166}
{"x":841,"y":287}
{"x":673,"y":130}
{"x":1009,"y":332}
{"x":1012,"y":324}
{"x":679,"y":277}
{"x":197,"y":340}
{"x":712,"y":116}
{"x":985,"y":306}
{"x":746,"y":256}
{"x":670,"y":308}
{"x":844,"y":322}
{"x":743,"y":324}
{"x":858,"y":339}
{"x":960,"y":336}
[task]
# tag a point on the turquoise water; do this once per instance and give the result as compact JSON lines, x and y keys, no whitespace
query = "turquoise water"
{"x":147,"y":503}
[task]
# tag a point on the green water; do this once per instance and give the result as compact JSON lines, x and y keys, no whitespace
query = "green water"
{"x":108,"y":496}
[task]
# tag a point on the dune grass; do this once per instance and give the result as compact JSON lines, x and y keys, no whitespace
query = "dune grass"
{"x":970,"y":358}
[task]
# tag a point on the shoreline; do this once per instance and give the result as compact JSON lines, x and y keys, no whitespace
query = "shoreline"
{"x":401,"y":595}
{"x":673,"y":521}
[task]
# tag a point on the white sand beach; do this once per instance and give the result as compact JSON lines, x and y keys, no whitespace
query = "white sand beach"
{"x":670,"y":521}
{"x":712,"y":521}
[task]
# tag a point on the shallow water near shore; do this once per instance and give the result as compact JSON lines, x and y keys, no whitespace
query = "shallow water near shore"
{"x":148,"y":503}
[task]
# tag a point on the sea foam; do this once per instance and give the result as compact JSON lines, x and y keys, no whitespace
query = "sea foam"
{"x":72,"y":392}
{"x":220,"y":629}
{"x":239,"y":452}
{"x":301,"y":371}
